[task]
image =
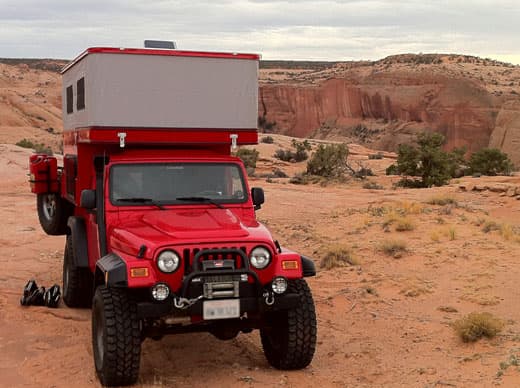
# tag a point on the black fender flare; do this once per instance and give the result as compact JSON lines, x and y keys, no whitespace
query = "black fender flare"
{"x":78,"y":234}
{"x":308,"y":267}
{"x":111,"y":271}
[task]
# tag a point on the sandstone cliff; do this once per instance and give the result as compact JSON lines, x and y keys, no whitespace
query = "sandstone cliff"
{"x":386,"y":103}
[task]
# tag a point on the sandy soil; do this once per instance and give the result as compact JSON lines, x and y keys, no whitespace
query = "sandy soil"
{"x":381,"y":322}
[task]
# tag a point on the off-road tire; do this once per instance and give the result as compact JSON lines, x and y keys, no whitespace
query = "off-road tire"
{"x":78,"y":283}
{"x":116,"y":337}
{"x":289,"y":338}
{"x":53,"y":213}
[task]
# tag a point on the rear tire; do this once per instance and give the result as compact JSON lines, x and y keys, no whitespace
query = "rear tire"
{"x":116,"y":337}
{"x":289,"y":338}
{"x":78,"y":283}
{"x":53,"y":213}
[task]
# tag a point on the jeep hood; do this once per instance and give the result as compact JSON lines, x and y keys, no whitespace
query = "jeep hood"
{"x":168,"y":227}
{"x":206,"y":223}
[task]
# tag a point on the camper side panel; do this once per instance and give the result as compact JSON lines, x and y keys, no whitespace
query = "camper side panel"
{"x":154,"y":91}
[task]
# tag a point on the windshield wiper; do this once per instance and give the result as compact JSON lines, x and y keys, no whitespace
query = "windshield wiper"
{"x":200,"y":199}
{"x":141,"y":200}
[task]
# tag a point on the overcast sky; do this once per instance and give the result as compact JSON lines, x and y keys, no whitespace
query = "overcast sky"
{"x":299,"y":30}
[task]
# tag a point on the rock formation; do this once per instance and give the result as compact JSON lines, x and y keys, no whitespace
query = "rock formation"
{"x":471,"y":102}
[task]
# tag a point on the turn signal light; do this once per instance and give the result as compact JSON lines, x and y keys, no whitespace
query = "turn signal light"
{"x":139,"y":272}
{"x":290,"y":264}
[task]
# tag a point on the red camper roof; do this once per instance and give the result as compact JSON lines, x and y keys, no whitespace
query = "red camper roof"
{"x":163,"y":52}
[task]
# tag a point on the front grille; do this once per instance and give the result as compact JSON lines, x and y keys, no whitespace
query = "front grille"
{"x":188,"y":255}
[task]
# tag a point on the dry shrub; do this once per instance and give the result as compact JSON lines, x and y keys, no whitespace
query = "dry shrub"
{"x":435,"y":236}
{"x":406,"y":208}
{"x":393,"y":248}
{"x":401,"y":223}
{"x":442,"y":200}
{"x":450,"y":232}
{"x":404,"y":224}
{"x":338,"y":256}
{"x":390,"y":217}
{"x":490,"y":226}
{"x":507,"y":231}
{"x":372,"y":186}
{"x":474,"y":326}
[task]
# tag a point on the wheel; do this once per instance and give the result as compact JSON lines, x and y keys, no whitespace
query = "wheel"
{"x":53,"y":213}
{"x":116,"y":337}
{"x":78,"y":283}
{"x":289,"y":337}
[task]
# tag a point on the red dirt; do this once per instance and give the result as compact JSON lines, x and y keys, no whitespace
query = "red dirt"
{"x":379,"y":321}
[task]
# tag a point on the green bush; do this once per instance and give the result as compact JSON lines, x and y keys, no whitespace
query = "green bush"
{"x":293,"y":157}
{"x":490,"y":161}
{"x":266,"y":125}
{"x":249,"y":157}
{"x":329,"y":161}
{"x":267,"y":140}
{"x":285,"y":155}
{"x":39,"y":148}
{"x":428,"y":162}
{"x":392,"y":170}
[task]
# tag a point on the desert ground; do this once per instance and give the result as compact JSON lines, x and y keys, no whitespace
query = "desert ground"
{"x":383,"y":321}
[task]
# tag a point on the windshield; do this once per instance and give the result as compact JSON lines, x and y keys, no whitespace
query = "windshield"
{"x":176,"y":183}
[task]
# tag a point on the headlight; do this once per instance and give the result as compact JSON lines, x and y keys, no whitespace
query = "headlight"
{"x":168,"y":261}
{"x":260,"y":257}
{"x":160,"y":291}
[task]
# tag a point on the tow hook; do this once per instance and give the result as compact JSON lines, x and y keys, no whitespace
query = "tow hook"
{"x":184,"y":303}
{"x":269,"y":298}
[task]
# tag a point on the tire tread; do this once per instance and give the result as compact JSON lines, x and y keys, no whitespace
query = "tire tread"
{"x":298,"y":332}
{"x":123,"y":338}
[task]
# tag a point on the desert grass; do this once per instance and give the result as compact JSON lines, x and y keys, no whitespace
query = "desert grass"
{"x":338,"y":256}
{"x":407,"y":208}
{"x":490,"y":226}
{"x":393,"y":248}
{"x":404,"y":224}
{"x":442,"y":200}
{"x":450,"y":233}
{"x":474,"y":326}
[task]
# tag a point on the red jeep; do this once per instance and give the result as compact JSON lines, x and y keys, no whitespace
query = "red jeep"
{"x":161,"y":234}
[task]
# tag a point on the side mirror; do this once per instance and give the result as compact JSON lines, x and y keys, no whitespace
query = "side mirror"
{"x":88,"y":199}
{"x":257,"y":194}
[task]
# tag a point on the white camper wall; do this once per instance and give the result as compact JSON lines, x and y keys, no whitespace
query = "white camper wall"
{"x":156,"y":91}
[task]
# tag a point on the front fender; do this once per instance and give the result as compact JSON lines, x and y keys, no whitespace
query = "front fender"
{"x":111,"y":271}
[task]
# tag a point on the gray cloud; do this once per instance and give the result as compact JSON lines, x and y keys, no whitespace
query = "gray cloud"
{"x":319,"y":30}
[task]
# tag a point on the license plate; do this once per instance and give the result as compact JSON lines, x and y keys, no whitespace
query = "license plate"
{"x":221,"y":309}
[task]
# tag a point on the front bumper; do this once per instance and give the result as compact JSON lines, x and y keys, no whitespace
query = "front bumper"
{"x":210,"y":282}
{"x":250,"y":305}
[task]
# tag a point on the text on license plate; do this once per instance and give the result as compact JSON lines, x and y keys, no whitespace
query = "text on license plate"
{"x":221,"y":309}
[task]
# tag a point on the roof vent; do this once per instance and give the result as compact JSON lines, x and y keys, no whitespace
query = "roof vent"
{"x":160,"y":44}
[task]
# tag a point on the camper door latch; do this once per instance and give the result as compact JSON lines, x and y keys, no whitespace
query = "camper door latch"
{"x":234,"y":138}
{"x":122,"y":136}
